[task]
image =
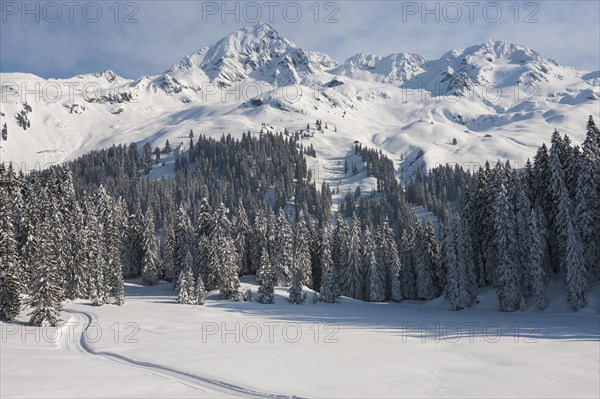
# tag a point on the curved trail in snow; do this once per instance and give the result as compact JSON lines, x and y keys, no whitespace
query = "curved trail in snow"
{"x":80,"y":344}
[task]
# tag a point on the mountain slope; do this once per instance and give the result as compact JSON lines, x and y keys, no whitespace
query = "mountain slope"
{"x":394,"y":69}
{"x":497,"y":99}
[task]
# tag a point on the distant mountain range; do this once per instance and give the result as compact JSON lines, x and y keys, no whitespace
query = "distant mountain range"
{"x":497,"y":99}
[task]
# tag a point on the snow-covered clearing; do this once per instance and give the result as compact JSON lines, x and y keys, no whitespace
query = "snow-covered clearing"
{"x":153,"y":347}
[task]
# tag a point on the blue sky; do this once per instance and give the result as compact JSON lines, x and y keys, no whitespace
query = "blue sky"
{"x":147,"y":37}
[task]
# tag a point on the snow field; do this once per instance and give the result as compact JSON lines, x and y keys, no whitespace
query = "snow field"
{"x":350,"y":349}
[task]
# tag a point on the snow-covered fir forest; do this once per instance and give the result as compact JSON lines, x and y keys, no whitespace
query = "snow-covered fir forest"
{"x":251,"y":207}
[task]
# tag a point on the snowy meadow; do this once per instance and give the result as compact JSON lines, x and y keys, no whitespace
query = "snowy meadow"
{"x":154,"y":347}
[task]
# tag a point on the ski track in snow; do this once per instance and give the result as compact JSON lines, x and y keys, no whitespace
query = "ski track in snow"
{"x":78,"y":343}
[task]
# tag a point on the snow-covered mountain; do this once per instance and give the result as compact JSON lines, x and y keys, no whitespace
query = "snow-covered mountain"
{"x":257,"y":52}
{"x":496,"y":64}
{"x":497,"y":99}
{"x":394,"y":69}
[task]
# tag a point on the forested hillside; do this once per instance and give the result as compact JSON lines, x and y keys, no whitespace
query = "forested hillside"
{"x":250,"y":206}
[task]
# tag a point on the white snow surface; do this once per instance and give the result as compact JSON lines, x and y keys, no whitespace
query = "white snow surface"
{"x":361,"y":349}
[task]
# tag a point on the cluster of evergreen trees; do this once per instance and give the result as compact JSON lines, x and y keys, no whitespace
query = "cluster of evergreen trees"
{"x":203,"y":255}
{"x":441,"y":190}
{"x":519,"y":228}
{"x":54,"y":247}
{"x":249,"y":206}
{"x":225,"y":170}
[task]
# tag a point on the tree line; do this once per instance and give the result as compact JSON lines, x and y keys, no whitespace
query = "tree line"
{"x":249,"y":207}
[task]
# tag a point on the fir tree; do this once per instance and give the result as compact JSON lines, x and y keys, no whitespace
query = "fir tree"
{"x":10,"y":286}
{"x":205,"y":256}
{"x":296,"y":294}
{"x":353,"y":278}
{"x":575,"y":268}
{"x":510,"y":292}
{"x":114,"y":233}
{"x":543,"y":197}
{"x":316,"y":235}
{"x":464,"y":255}
{"x":46,"y":293}
{"x":150,"y":259}
{"x":95,"y":259}
{"x":521,"y":208}
{"x":561,"y":205}
{"x":426,"y":262}
{"x":32,"y":218}
{"x":13,"y":186}
{"x":284,"y":247}
{"x":340,"y":253}
{"x":456,"y":291}
{"x":241,"y":235}
{"x":535,"y":259}
{"x":185,"y":282}
{"x":62,"y":195}
{"x":183,"y":240}
{"x":133,"y":244}
{"x":407,"y":274}
{"x":266,"y":290}
{"x":169,"y":252}
{"x":330,"y":289}
{"x":391,"y":262}
{"x":222,"y":248}
{"x":482,"y":231}
{"x":200,"y":293}
{"x":587,"y":211}
{"x":258,"y":242}
{"x":271,"y":233}
{"x":98,"y":287}
{"x":375,"y":277}
{"x":302,"y":249}
{"x":78,"y":277}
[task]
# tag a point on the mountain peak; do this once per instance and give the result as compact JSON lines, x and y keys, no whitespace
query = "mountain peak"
{"x":257,"y":51}
{"x":259,"y":37}
{"x":504,"y":64}
{"x":260,"y":27}
{"x":497,"y":49}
